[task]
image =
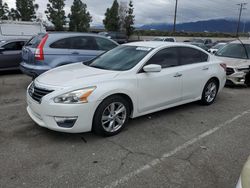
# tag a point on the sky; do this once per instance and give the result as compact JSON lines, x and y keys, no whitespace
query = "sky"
{"x":161,"y":11}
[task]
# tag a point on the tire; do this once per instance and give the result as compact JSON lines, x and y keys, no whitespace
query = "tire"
{"x":247,"y":78}
{"x":106,"y":121}
{"x":210,"y":92}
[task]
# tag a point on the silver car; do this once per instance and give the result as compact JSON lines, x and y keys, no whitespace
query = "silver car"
{"x":46,"y":51}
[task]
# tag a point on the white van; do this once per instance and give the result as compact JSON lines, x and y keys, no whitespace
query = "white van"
{"x":17,"y":29}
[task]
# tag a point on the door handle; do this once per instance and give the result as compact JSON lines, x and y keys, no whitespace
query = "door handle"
{"x":205,"y":68}
{"x":177,"y":75}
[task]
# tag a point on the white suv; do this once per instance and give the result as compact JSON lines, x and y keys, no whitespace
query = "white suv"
{"x":236,"y":55}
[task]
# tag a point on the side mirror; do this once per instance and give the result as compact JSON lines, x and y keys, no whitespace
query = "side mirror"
{"x":152,"y":68}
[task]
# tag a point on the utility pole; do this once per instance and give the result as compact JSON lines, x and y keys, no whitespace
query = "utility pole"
{"x":175,"y":14}
{"x":242,"y":7}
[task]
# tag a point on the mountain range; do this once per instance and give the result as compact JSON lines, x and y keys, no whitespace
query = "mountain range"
{"x":219,"y":25}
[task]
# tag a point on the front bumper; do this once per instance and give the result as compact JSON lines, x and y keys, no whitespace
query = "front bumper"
{"x":237,"y":78}
{"x":44,"y":114}
{"x":33,"y":70}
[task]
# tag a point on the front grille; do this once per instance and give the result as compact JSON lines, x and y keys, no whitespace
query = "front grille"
{"x":230,"y":71}
{"x":38,"y":93}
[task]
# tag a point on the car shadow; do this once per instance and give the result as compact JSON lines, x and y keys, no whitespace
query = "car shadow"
{"x":11,"y":72}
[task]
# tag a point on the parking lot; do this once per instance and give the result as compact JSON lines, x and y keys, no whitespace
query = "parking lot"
{"x":188,"y":146}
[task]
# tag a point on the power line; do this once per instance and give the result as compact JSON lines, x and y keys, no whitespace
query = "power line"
{"x":242,"y":7}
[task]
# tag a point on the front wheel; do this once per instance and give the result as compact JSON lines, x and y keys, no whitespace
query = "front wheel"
{"x":111,"y":116}
{"x":210,"y":92}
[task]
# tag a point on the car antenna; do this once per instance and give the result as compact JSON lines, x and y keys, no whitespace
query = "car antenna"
{"x":244,"y":47}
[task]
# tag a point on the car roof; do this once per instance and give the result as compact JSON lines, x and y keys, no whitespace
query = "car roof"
{"x":72,"y":33}
{"x":163,"y":37}
{"x":2,"y":42}
{"x":157,"y":44}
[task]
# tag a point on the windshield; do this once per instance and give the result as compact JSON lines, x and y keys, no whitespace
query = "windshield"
{"x":234,"y":50}
{"x":121,"y":58}
{"x":218,"y":46}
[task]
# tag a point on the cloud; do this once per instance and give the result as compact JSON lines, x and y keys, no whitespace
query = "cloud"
{"x":159,"y":11}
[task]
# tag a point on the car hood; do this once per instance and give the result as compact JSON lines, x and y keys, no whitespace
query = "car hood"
{"x":74,"y":74}
{"x":235,"y":63}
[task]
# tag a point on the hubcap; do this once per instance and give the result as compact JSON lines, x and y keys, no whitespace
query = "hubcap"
{"x":211,"y":91}
{"x":114,"y":116}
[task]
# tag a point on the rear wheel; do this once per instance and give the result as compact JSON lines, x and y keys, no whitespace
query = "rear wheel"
{"x":111,"y":116}
{"x":210,"y":92}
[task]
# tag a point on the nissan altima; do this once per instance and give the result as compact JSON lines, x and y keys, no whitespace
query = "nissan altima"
{"x":129,"y":81}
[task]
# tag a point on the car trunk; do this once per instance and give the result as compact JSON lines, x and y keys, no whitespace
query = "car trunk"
{"x":29,"y":49}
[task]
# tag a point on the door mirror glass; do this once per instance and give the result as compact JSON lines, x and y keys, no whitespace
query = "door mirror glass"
{"x":152,"y":68}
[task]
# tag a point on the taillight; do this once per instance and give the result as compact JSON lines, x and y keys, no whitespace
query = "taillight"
{"x":224,"y":66}
{"x":39,"y":51}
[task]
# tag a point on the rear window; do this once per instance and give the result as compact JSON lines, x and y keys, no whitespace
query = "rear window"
{"x":35,"y":41}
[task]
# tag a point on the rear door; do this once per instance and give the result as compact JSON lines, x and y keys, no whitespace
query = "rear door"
{"x":195,"y":69}
{"x":10,"y":55}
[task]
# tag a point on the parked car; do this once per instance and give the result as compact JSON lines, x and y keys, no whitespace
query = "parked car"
{"x":201,"y":45}
{"x":165,"y":39}
{"x":47,"y":51}
{"x":244,"y":180}
{"x":18,"y":29}
{"x":119,"y":37}
{"x":129,"y":81}
{"x":10,"y":54}
{"x":207,"y":42}
{"x":215,"y":48}
{"x":237,"y":57}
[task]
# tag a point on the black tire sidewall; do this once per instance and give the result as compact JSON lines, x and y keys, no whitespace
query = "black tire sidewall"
{"x":97,"y":124}
{"x":203,"y":99}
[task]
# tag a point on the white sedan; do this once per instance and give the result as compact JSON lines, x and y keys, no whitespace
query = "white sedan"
{"x":129,"y":81}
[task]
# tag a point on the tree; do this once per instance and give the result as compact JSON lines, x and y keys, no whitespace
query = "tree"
{"x":4,"y":11}
{"x":112,"y":21}
{"x":130,"y":20}
{"x":79,"y":18}
{"x":122,"y":14}
{"x":26,"y":10}
{"x":13,"y":14}
{"x":56,"y":14}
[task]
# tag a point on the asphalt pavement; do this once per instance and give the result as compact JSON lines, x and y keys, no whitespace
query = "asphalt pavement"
{"x":190,"y":146}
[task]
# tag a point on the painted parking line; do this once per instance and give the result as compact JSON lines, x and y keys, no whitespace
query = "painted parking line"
{"x":11,"y":105}
{"x":157,"y":161}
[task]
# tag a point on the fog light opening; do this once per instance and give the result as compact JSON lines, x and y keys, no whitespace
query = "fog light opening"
{"x":65,"y":122}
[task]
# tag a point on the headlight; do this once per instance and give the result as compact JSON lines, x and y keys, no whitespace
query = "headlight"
{"x":75,"y":97}
{"x":31,"y":89}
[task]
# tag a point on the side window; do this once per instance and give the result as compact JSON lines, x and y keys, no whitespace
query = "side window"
{"x":104,"y":44}
{"x":14,"y":46}
{"x":191,"y":56}
{"x":84,"y":43}
{"x":62,"y":44}
{"x":166,"y":58}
